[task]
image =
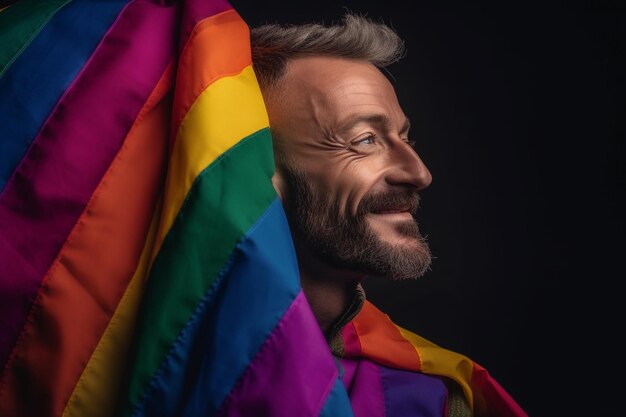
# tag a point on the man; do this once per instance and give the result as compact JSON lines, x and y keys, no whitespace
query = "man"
{"x":123,"y":296}
{"x":349,"y":180}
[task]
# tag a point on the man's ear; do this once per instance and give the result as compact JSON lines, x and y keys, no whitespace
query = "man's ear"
{"x":278,"y":181}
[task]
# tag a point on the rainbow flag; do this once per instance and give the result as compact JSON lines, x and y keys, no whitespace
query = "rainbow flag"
{"x":395,"y":364}
{"x":139,"y":223}
{"x":146,"y":266}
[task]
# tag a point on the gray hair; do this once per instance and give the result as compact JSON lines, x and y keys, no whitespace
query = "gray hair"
{"x":356,"y":37}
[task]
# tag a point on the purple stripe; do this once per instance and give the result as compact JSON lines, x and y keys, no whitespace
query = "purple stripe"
{"x":291,"y":375}
{"x":52,"y":185}
{"x":362,"y":380}
{"x":349,"y":366}
{"x":413,"y":394}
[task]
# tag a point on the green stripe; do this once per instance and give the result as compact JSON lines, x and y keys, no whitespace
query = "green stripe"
{"x":20,"y":23}
{"x":227,"y":198}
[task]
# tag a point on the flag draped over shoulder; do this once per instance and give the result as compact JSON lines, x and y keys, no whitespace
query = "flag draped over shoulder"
{"x":374,"y":336}
{"x":146,"y":265}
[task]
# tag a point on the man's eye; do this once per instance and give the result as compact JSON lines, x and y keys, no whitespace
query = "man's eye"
{"x":367,"y":140}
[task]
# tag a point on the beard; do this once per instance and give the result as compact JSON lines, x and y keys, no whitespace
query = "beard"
{"x":348,"y":242}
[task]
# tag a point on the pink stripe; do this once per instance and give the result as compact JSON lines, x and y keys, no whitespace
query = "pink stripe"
{"x":351,"y":342}
{"x":52,"y":185}
{"x":349,"y":371}
{"x":197,"y":10}
{"x":291,"y":375}
{"x":365,"y":388}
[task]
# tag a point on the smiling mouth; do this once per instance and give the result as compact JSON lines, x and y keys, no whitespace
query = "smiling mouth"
{"x":392,"y":211}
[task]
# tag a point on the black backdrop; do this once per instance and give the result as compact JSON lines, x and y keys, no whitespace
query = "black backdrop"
{"x":519,"y":113}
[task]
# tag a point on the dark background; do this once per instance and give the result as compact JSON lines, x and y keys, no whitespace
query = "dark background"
{"x":518,"y":111}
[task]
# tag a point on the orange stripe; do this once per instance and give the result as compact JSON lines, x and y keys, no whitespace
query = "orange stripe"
{"x":221,"y":55}
{"x":96,"y":392}
{"x":89,"y":276}
{"x":381,"y":340}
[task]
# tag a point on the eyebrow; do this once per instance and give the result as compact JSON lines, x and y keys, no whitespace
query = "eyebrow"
{"x":379,"y":119}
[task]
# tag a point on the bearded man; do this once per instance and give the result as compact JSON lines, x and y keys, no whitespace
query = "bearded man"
{"x":349,"y":180}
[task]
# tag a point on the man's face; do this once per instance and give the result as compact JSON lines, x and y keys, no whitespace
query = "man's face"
{"x":350,"y":179}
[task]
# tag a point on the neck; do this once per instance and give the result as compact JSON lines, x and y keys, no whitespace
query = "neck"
{"x":329,"y":290}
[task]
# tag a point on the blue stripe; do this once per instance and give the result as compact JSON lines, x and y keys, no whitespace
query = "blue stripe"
{"x":230,"y":324}
{"x":412,"y":394}
{"x":337,"y":404}
{"x":16,"y":12}
{"x":36,"y":81}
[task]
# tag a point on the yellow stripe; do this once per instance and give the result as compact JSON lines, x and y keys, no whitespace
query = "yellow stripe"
{"x":436,"y":360}
{"x":227,"y":111}
{"x":97,"y":390}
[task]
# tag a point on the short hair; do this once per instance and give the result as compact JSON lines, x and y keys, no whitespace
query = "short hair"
{"x":357,"y":37}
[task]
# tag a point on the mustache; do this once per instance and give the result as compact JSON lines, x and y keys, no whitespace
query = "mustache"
{"x":390,"y":201}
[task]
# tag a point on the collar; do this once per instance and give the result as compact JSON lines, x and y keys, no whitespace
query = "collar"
{"x":333,"y":334}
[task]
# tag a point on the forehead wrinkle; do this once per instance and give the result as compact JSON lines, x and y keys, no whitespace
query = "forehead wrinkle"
{"x":361,"y":83}
{"x":371,"y":118}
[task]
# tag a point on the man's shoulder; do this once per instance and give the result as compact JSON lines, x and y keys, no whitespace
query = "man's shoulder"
{"x":372,"y":334}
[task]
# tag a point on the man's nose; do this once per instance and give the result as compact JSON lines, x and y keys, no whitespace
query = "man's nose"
{"x":407,"y":168}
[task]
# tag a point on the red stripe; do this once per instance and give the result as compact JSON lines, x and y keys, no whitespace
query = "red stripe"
{"x":381,"y":341}
{"x":52,"y":185}
{"x":81,"y":290}
{"x":492,"y":399}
